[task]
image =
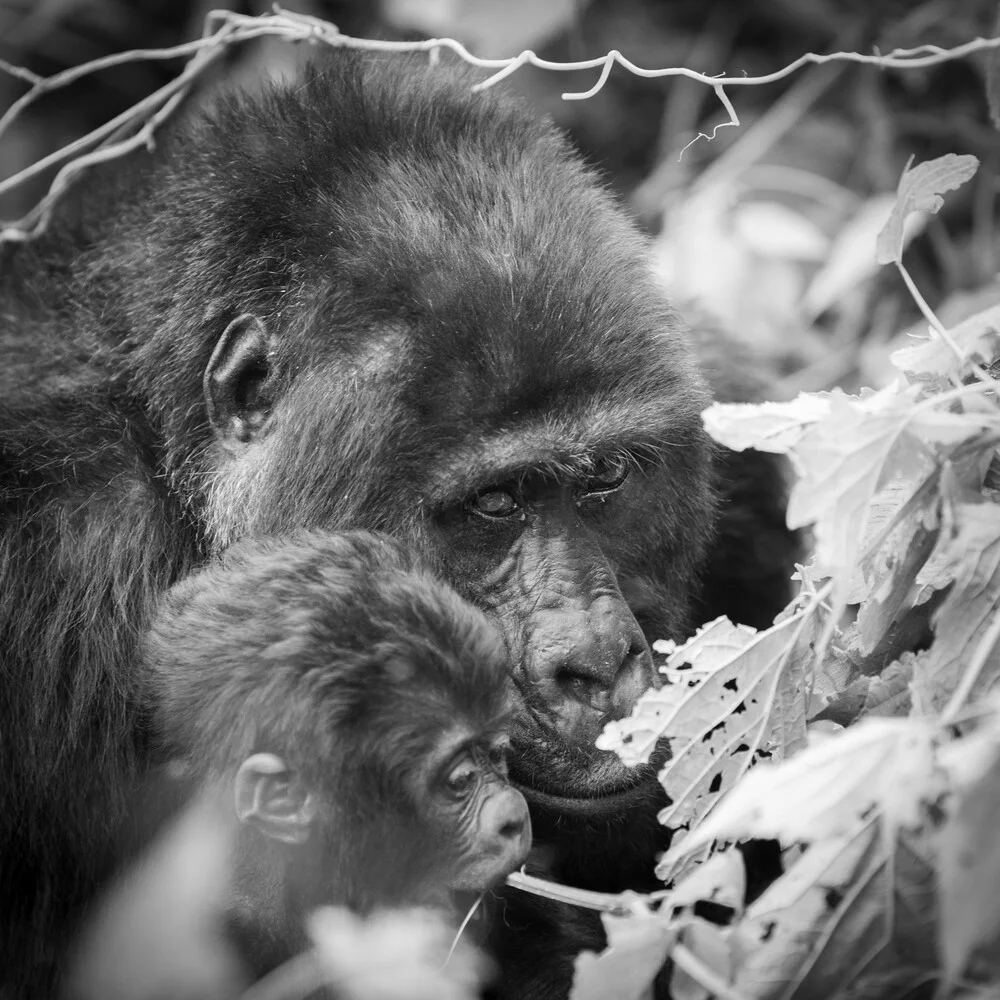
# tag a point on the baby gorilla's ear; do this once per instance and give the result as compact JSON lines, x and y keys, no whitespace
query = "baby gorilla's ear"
{"x":270,"y":797}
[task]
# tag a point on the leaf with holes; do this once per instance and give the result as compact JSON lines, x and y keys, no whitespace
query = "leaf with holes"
{"x":784,"y":939}
{"x":687,"y":665}
{"x":729,"y":690}
{"x":823,"y":791}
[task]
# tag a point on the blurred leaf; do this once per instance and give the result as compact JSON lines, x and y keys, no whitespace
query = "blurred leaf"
{"x":970,"y":874}
{"x":637,"y":948}
{"x":159,"y":933}
{"x":394,"y":955}
{"x":772,"y":229}
{"x":710,"y":945}
{"x":492,"y":30}
{"x":920,"y":190}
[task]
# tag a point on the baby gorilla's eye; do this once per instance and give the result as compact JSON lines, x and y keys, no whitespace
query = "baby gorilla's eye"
{"x":608,"y":475}
{"x":495,"y":503}
{"x":462,"y":778}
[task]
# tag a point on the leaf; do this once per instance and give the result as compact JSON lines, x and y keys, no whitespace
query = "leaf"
{"x":394,"y":955}
{"x":970,"y":553}
{"x":722,"y":879}
{"x":969,"y":861}
{"x":156,"y":933}
{"x":773,"y":427}
{"x":819,"y":923}
{"x":637,"y":948}
{"x":823,"y":791}
{"x":978,"y":336}
{"x":843,"y":460}
{"x":722,"y":702}
{"x":710,"y":649}
{"x":710,"y":945}
{"x":755,"y":706}
{"x":888,"y":695}
{"x":893,"y":570}
{"x":851,"y":909}
{"x":883,"y":696}
{"x":920,"y":190}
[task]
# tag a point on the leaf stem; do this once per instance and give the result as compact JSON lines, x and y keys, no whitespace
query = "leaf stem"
{"x":605,"y":902}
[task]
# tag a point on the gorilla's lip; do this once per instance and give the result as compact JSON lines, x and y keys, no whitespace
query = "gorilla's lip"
{"x":595,"y":803}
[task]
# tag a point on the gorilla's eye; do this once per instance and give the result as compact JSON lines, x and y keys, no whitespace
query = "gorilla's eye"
{"x":608,"y":475}
{"x":462,"y":777}
{"x":498,"y":756}
{"x":495,"y":503}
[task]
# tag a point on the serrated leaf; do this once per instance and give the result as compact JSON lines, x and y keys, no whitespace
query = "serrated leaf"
{"x":823,"y":791}
{"x":637,"y":948}
{"x":758,"y":721}
{"x":920,"y":190}
{"x":718,"y":720}
{"x":711,"y":648}
{"x":970,"y":554}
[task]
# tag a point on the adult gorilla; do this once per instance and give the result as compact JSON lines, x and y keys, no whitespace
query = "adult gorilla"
{"x":368,"y":299}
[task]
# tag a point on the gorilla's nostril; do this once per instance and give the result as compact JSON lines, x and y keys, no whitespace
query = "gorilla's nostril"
{"x":585,"y":690}
{"x":512,"y":829}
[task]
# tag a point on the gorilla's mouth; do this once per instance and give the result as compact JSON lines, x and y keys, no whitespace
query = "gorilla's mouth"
{"x":581,"y":780}
{"x":596,"y":802}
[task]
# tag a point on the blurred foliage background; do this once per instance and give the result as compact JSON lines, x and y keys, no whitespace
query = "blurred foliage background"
{"x":768,"y":229}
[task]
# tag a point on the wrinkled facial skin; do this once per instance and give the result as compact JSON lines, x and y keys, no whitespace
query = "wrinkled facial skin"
{"x":581,"y":566}
{"x":541,"y":556}
{"x":454,"y":823}
{"x":490,"y":370}
{"x":483,"y":820}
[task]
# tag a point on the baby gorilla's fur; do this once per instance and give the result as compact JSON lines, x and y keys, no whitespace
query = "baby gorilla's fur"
{"x":354,"y":708}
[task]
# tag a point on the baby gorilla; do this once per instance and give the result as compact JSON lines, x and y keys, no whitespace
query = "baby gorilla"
{"x":353,"y":707}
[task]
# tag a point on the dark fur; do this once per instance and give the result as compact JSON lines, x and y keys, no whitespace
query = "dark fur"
{"x":339,"y":655}
{"x":453,"y":301}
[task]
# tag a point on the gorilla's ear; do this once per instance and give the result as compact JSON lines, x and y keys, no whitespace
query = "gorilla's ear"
{"x":240,"y":383}
{"x":270,"y":798}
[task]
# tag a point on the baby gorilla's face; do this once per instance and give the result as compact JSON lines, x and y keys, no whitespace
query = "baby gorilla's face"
{"x":473,"y":812}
